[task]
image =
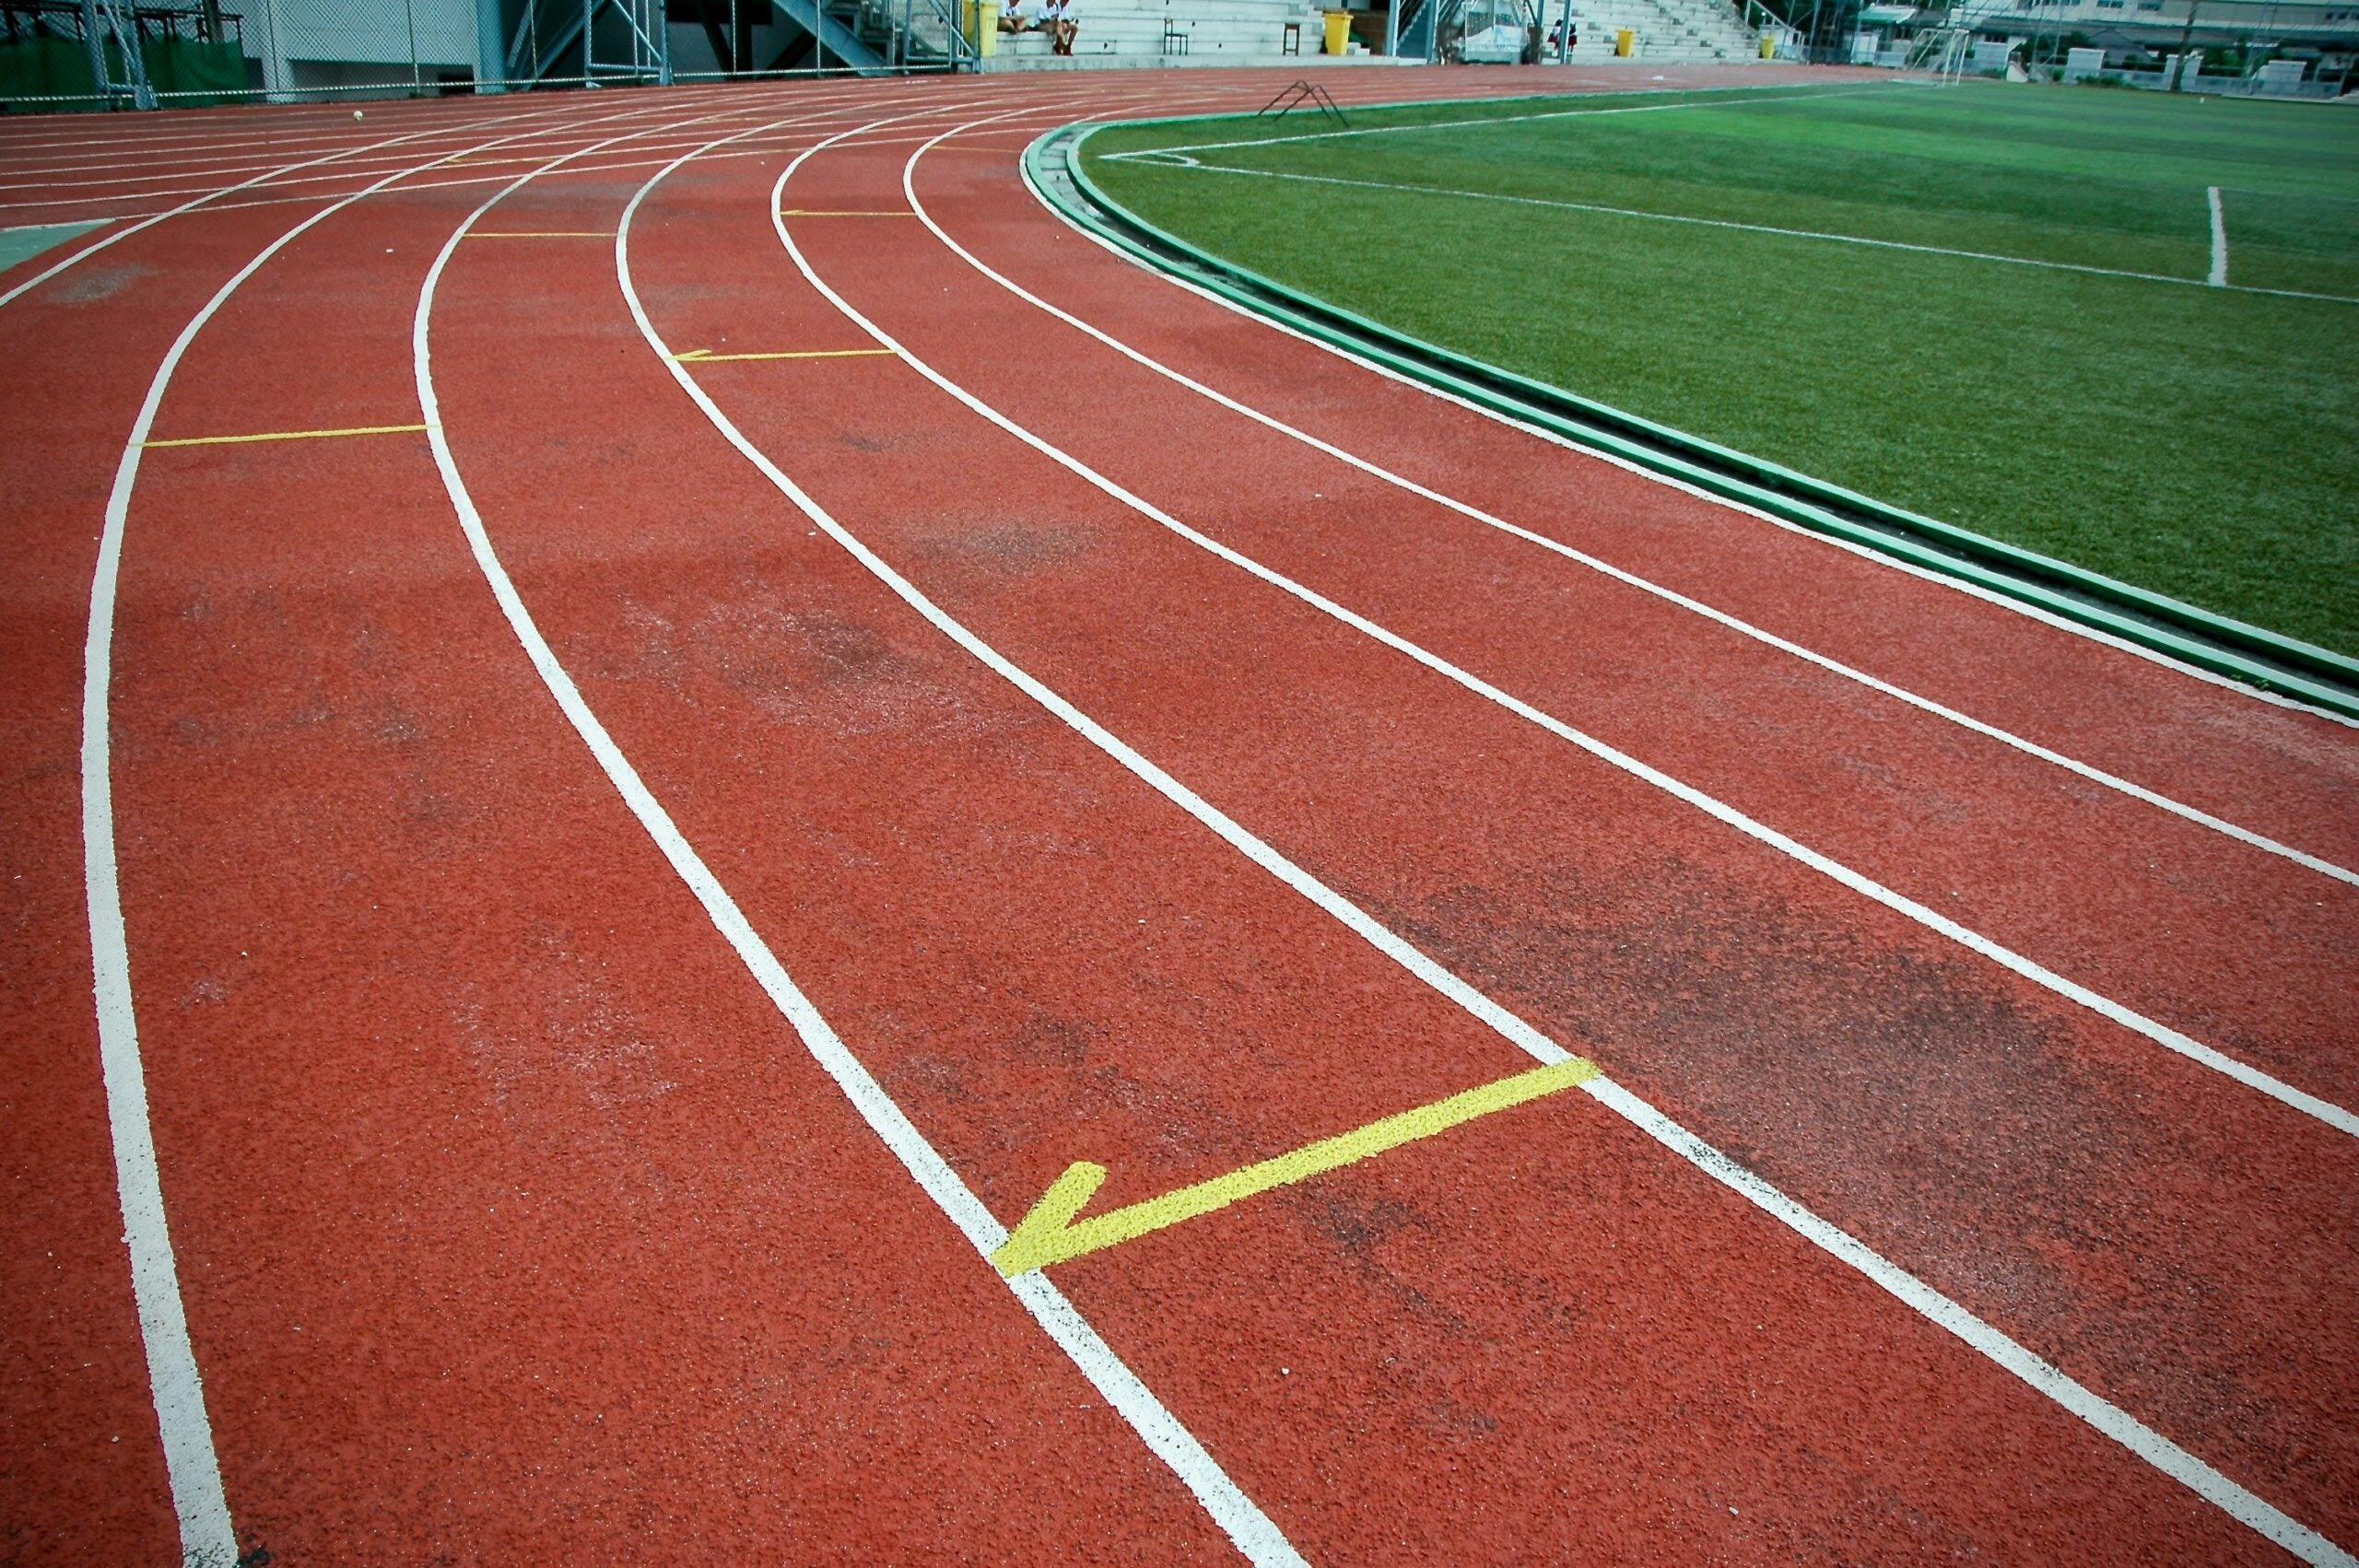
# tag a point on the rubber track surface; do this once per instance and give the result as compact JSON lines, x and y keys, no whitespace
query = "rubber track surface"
{"x":514,"y":1223}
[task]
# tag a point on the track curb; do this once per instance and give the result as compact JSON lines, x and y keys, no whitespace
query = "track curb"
{"x":2252,"y":655}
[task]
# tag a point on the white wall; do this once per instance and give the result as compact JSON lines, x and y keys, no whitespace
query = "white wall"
{"x":367,"y":32}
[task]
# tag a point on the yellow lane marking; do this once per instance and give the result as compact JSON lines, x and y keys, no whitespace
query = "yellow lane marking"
{"x":1049,"y":1234}
{"x":815,"y":211}
{"x":541,"y":234}
{"x":707,"y":356}
{"x":284,"y":436}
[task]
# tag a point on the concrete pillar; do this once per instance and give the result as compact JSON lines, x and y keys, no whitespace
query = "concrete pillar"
{"x":491,"y":47}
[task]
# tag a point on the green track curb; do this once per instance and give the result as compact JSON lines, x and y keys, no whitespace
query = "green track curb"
{"x":2241,"y":651}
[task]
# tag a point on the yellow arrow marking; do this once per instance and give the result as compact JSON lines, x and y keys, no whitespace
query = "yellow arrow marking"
{"x":707,"y":356}
{"x":284,"y":436}
{"x":1049,"y":1233}
{"x":815,"y":211}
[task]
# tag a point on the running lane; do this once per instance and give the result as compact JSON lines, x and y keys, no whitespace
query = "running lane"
{"x":515,"y":1225}
{"x":84,"y":1475}
{"x":1100,"y":981}
{"x":2175,"y":1239}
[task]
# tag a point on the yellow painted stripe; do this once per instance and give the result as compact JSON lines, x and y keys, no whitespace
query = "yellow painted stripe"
{"x":707,"y":356}
{"x":814,"y":212}
{"x":284,"y":436}
{"x":1049,"y":1233}
{"x":540,"y":234}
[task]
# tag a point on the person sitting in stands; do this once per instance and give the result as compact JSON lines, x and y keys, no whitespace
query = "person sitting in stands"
{"x":1011,"y":15}
{"x":1056,"y":20}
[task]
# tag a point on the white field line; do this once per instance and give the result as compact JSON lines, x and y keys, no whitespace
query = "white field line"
{"x":358,"y":167}
{"x":1933,"y":920}
{"x":1629,"y":578}
{"x":288,"y":133}
{"x":328,"y":195}
{"x":192,"y":1467}
{"x":1236,"y":1513}
{"x":147,"y":174}
{"x":570,"y":171}
{"x":127,"y":232}
{"x":1687,"y":488}
{"x":193,"y":159}
{"x":208,"y":161}
{"x":2218,"y":276}
{"x":2219,"y":260}
{"x":1736,"y":98}
{"x":2091,"y":1407}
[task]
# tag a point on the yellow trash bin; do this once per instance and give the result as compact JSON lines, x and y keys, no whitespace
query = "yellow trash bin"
{"x":1625,"y":43}
{"x":982,"y":26}
{"x":1339,"y":31}
{"x":1769,"y":47}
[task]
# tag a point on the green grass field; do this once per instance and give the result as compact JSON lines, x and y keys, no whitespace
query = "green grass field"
{"x":2201,"y":441}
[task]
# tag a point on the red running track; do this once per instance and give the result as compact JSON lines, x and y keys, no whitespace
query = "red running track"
{"x":521,"y":1213}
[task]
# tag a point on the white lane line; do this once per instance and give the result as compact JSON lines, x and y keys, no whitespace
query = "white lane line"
{"x":127,"y":232}
{"x":2099,"y":1413}
{"x":356,"y":167}
{"x":191,"y":1464}
{"x":1236,"y":1514}
{"x":656,"y":158}
{"x":1751,"y":95}
{"x":1719,"y":617}
{"x":2171,"y":1039}
{"x":2218,"y":276}
{"x":1687,"y":488}
{"x":2219,"y":259}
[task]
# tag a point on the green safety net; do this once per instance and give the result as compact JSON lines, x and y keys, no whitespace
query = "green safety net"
{"x":47,"y":67}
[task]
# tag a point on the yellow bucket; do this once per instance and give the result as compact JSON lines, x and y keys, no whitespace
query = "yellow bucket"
{"x":1625,"y":43}
{"x":1769,"y":47}
{"x":1339,"y":31}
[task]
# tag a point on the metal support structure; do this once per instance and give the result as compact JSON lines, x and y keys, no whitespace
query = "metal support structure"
{"x":102,"y":21}
{"x":649,"y":40}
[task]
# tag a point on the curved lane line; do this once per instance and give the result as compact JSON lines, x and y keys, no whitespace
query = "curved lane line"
{"x":208,"y":1538}
{"x":2334,"y":1116}
{"x":122,"y":234}
{"x":2099,"y":1413}
{"x":1245,"y":1524}
{"x":1629,"y":578}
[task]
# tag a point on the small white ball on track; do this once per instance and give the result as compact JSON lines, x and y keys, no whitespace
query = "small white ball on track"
{"x":355,"y":115}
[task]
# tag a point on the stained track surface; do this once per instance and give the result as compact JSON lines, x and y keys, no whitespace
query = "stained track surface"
{"x":635,"y":874}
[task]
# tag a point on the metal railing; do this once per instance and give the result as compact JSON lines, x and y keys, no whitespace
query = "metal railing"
{"x":64,"y":54}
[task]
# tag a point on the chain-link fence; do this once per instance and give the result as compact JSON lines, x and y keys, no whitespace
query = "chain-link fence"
{"x":82,"y":54}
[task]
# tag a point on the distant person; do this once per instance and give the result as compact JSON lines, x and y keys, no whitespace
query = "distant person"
{"x":1056,"y":20}
{"x":1011,"y":15}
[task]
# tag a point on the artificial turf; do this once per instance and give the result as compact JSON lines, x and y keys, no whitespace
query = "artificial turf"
{"x":23,"y":244}
{"x":2199,"y":441}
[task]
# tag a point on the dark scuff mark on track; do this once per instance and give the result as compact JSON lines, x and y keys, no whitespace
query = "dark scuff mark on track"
{"x":1904,"y":1097}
